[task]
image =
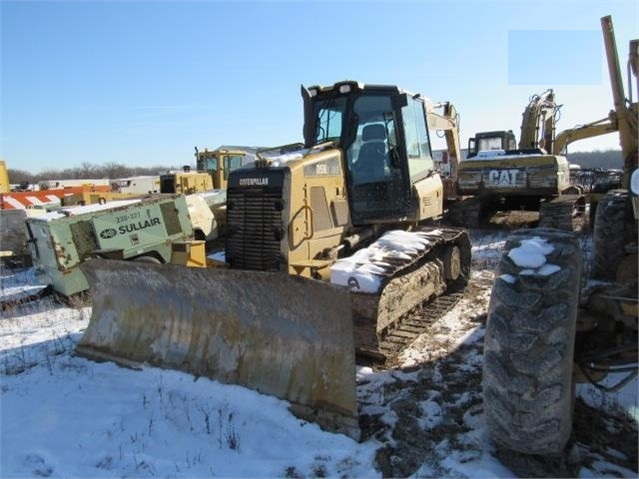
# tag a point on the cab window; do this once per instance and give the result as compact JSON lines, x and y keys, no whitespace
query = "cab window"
{"x":418,"y":151}
{"x":231,"y":162}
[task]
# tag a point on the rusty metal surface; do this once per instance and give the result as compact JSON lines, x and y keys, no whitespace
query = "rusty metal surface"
{"x":281,"y":335}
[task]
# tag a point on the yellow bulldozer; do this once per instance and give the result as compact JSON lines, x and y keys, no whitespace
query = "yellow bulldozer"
{"x":548,"y":327}
{"x":331,"y":245}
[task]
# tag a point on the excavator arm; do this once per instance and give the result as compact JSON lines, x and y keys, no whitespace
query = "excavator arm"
{"x":623,"y":119}
{"x":539,"y":115}
{"x":448,"y":122}
{"x":589,"y":130}
{"x":625,"y":111}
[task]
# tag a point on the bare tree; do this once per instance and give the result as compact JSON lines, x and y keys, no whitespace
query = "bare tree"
{"x":87,"y":170}
{"x":114,"y":170}
{"x":20,"y":176}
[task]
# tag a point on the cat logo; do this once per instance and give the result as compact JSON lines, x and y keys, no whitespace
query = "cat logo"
{"x":503,"y":177}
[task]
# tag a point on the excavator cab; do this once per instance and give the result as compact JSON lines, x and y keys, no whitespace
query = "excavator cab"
{"x":383,"y":134}
{"x":491,"y":140}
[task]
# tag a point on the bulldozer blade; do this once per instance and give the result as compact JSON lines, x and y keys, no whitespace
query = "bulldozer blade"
{"x":284,"y":336}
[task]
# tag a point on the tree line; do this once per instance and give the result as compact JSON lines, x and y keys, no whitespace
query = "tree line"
{"x":87,"y":171}
{"x":608,"y":159}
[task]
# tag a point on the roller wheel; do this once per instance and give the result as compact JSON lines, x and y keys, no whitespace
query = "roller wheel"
{"x":452,"y":263}
{"x":529,"y":344}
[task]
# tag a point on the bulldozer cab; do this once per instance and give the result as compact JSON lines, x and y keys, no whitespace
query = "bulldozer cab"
{"x":219,"y":163}
{"x":384,"y":137}
{"x":491,"y":140}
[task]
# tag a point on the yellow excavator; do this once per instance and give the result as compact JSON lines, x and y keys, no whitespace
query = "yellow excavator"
{"x":331,"y":245}
{"x":537,"y":129}
{"x":532,"y":177}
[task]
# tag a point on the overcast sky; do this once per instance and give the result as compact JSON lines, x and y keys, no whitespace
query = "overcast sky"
{"x":142,"y":83}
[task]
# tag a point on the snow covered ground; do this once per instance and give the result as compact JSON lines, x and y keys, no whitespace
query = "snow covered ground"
{"x":65,"y":416}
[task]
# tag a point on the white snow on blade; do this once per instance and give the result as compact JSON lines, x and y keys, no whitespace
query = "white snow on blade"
{"x":531,"y":253}
{"x":361,"y":270}
{"x":509,"y":278}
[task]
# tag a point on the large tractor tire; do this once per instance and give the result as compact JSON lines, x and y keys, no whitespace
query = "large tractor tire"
{"x":609,"y":235}
{"x":530,"y":337}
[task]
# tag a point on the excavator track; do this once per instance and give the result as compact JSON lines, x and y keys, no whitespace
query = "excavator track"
{"x":415,"y":292}
{"x":565,"y":212}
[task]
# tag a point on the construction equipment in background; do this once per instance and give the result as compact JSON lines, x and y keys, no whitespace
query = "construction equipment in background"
{"x":202,"y":207}
{"x":21,"y":200}
{"x":219,"y":163}
{"x":351,"y":205}
{"x":622,"y":118}
{"x":148,"y":184}
{"x":137,"y":230}
{"x":72,"y":183}
{"x":545,"y":332}
{"x":88,"y":198}
{"x":212,"y":170}
{"x":185,"y":182}
{"x":528,"y":178}
{"x":537,"y":129}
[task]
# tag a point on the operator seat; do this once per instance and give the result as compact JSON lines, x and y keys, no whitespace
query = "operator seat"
{"x":372,"y":157}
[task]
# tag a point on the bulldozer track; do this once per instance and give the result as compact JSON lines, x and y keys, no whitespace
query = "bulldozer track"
{"x":415,"y":323}
{"x":405,"y":328}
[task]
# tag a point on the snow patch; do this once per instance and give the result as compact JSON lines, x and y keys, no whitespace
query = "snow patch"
{"x":531,"y":253}
{"x":362,"y":271}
